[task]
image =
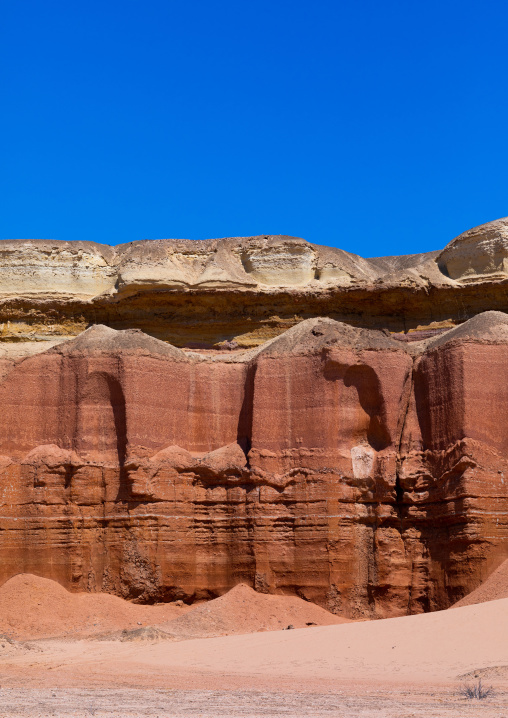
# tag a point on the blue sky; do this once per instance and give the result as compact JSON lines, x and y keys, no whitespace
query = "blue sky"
{"x":377,"y":127}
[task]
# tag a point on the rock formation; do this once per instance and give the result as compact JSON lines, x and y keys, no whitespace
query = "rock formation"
{"x":338,"y":462}
{"x":243,"y":290}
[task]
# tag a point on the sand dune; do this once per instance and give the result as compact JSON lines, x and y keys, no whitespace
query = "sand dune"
{"x":410,"y":666}
{"x":32,"y":607}
{"x":434,"y":646}
{"x":425,"y":650}
{"x":247,"y":639}
{"x":493,"y":588}
{"x":242,"y":610}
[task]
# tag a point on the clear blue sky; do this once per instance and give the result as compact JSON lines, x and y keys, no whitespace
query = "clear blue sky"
{"x":377,"y":127}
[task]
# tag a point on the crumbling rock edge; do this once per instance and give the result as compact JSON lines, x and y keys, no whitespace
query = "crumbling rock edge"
{"x":240,"y":292}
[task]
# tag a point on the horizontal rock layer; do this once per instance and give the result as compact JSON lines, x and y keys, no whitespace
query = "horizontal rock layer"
{"x":243,"y":290}
{"x":360,"y":472}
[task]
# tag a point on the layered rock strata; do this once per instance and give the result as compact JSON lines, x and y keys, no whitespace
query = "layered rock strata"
{"x":244,"y":291}
{"x":335,"y":462}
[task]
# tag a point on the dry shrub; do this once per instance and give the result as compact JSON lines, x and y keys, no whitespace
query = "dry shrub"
{"x":476,"y":691}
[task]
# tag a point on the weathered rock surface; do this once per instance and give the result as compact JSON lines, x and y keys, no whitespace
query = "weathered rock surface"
{"x":335,"y":462}
{"x":477,"y":255}
{"x":243,"y":291}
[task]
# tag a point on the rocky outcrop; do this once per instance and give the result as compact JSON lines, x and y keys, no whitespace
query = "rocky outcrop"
{"x":481,"y":254}
{"x":243,"y":291}
{"x":335,"y":462}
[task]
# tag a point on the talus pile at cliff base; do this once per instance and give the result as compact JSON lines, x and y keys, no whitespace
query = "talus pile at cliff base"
{"x":346,"y":462}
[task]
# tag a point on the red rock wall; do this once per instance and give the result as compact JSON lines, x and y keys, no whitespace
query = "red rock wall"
{"x":345,"y":471}
{"x":101,"y":404}
{"x":454,"y":463}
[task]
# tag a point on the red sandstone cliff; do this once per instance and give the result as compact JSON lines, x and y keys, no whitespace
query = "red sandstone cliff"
{"x":335,"y":462}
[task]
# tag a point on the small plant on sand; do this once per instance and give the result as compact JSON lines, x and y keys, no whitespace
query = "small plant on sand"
{"x":476,"y":691}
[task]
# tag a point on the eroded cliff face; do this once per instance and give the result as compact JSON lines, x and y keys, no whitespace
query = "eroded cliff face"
{"x":243,"y":290}
{"x":361,"y":472}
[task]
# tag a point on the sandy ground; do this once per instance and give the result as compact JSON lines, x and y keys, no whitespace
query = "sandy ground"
{"x":412,"y":666}
{"x":364,"y":702}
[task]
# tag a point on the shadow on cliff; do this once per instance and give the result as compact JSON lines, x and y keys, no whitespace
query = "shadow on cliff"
{"x":245,"y":419}
{"x":104,"y":392}
{"x":366,"y":382}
